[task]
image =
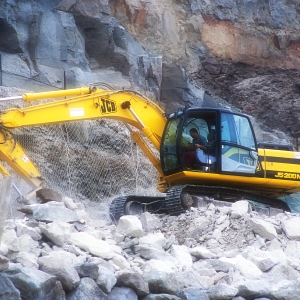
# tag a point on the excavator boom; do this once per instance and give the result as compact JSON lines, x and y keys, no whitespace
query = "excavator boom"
{"x":75,"y":105}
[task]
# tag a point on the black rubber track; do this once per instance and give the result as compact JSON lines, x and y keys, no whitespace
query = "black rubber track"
{"x":172,"y":201}
{"x":117,"y":206}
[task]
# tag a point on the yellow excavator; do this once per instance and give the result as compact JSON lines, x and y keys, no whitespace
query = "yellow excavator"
{"x":231,"y":165}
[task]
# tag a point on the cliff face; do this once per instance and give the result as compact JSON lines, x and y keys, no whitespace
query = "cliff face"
{"x":169,"y":50}
{"x":263,"y":33}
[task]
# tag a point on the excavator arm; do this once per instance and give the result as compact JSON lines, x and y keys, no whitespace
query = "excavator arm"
{"x":75,"y":105}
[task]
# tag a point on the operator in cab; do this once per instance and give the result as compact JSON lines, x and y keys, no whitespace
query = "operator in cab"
{"x":199,"y":142}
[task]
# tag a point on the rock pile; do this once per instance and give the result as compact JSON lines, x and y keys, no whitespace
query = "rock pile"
{"x":58,"y":252}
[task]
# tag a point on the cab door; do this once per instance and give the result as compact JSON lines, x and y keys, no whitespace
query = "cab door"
{"x":169,"y":152}
{"x":176,"y":141}
{"x":238,"y":144}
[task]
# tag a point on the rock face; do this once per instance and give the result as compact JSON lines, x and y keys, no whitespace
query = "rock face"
{"x":78,"y":43}
{"x":209,"y":253}
{"x":253,"y":32}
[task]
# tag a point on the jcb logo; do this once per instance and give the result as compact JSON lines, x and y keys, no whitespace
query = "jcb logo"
{"x":108,"y":106}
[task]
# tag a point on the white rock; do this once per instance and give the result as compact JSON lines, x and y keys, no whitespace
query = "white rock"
{"x":150,"y":222}
{"x":69,"y":203}
{"x":27,"y":244}
{"x":4,"y":263}
{"x":106,"y":279}
{"x":130,"y":226}
{"x":74,"y":250}
{"x":27,"y":260}
{"x":280,"y":255}
{"x":66,"y":256}
{"x":83,"y":217}
{"x":9,"y":224}
{"x":160,"y":266}
{"x":247,"y":268}
{"x":181,"y":253}
{"x":3,"y":249}
{"x":221,"y":220}
{"x":118,"y":237}
{"x":294,"y":263}
{"x":253,"y":287}
{"x":218,"y":276}
{"x":46,"y":249}
{"x":263,"y":228}
{"x":225,"y":210}
{"x":61,"y":269}
{"x":98,"y":234}
{"x":292,"y":249}
{"x":223,"y":225}
{"x":34,"y":232}
{"x":264,"y":260}
{"x":107,"y":233}
{"x":239,"y":208}
{"x":203,"y":268}
{"x":222,"y":291}
{"x":211,"y":209}
{"x":201,"y":252}
{"x":217,"y":234}
{"x":231,"y":253}
{"x":214,"y":245}
{"x":260,"y":241}
{"x":280,"y":272}
{"x":120,"y":262}
{"x":154,"y":253}
{"x":287,"y":290}
{"x":10,"y":239}
{"x":117,"y":249}
{"x":291,"y":228}
{"x":274,"y":245}
{"x":51,"y":211}
{"x":57,"y":231}
{"x":111,"y":241}
{"x":155,"y":240}
{"x":139,"y":261}
{"x":88,"y":243}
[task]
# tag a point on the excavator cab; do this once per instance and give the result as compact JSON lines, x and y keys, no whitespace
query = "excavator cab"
{"x":230,"y":142}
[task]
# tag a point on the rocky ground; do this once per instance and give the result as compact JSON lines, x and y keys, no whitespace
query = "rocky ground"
{"x":270,"y":95}
{"x":57,"y":251}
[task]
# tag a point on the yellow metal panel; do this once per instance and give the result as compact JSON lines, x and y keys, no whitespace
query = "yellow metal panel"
{"x":274,"y":187}
{"x":17,"y":159}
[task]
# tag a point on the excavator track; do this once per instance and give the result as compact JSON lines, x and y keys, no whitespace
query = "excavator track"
{"x":132,"y":205}
{"x":173,"y":202}
{"x":178,"y":199}
{"x":116,"y":208}
{"x":227,"y":194}
{"x":175,"y":206}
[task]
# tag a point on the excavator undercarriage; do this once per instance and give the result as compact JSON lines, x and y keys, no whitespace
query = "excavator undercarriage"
{"x":180,"y":198}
